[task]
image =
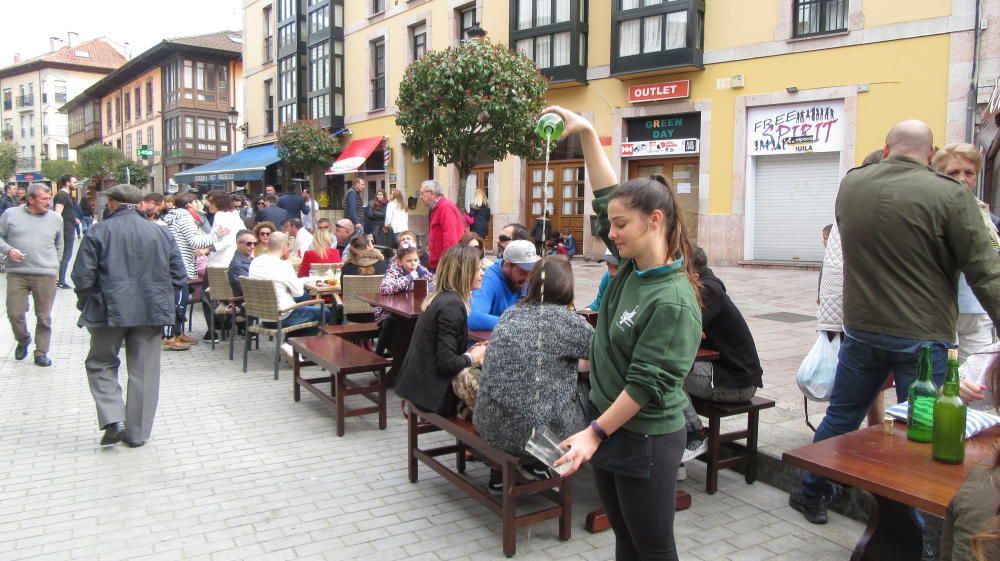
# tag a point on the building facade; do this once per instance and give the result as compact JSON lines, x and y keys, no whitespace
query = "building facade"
{"x":32,"y":92}
{"x":177,"y":100}
{"x":753,"y":110}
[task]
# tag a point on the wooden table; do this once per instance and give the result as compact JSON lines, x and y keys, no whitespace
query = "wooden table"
{"x":896,"y":474}
{"x":406,"y":308}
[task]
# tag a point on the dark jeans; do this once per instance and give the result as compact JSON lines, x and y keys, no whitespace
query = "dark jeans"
{"x":866,"y":359}
{"x":301,"y":315}
{"x":641,"y":511}
{"x":182,"y":297}
{"x":69,"y":238}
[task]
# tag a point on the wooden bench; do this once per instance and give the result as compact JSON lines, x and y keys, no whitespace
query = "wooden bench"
{"x":747,"y":454}
{"x":341,"y":359}
{"x":353,"y":332}
{"x":514,"y":486}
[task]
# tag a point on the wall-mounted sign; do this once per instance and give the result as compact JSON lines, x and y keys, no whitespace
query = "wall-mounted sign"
{"x":659,"y":91}
{"x":663,"y":127}
{"x":660,"y":147}
{"x":801,"y":127}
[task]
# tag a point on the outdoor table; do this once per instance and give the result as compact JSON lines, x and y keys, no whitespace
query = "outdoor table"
{"x":406,"y":307}
{"x":896,"y":474}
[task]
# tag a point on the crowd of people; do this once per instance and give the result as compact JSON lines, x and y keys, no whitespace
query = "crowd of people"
{"x":617,"y":392}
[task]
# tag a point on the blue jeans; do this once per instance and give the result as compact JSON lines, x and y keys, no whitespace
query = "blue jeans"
{"x":304,"y":314}
{"x":865,"y":361}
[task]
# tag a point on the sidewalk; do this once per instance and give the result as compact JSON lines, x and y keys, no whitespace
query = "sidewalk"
{"x":238,"y":470}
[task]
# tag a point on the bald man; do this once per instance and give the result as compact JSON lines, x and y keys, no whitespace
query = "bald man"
{"x":906,"y":232}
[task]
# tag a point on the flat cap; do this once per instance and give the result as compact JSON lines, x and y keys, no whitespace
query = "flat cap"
{"x":125,"y":193}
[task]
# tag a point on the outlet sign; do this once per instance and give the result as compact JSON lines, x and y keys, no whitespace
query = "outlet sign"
{"x":659,"y":91}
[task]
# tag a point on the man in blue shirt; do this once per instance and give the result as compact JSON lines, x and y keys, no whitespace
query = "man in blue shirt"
{"x":503,"y":284}
{"x":612,"y":263}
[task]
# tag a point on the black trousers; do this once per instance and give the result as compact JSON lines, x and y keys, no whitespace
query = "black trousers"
{"x":69,"y":238}
{"x":641,"y":511}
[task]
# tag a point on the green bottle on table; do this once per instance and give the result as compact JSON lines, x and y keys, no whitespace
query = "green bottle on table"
{"x":949,"y":418}
{"x":922,"y":396}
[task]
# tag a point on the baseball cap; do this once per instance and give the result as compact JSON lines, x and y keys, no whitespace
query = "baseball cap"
{"x":521,"y":253}
{"x":609,"y":258}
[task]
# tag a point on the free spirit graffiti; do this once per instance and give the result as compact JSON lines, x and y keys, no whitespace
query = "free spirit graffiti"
{"x":791,"y":129}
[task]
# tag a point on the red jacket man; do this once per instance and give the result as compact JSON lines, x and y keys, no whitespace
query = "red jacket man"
{"x":446,"y":224}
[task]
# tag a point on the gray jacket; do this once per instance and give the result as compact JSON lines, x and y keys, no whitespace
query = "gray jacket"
{"x":127,"y":273}
{"x":38,"y":236}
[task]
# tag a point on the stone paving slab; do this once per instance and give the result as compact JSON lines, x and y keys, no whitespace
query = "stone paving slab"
{"x":238,"y":470}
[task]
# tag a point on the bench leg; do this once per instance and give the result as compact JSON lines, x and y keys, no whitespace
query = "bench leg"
{"x":246,"y":345}
{"x":296,"y":389}
{"x":714,"y":450}
{"x":509,"y":511}
{"x":411,"y":445}
{"x":751,"y":467}
{"x":340,"y":401}
{"x":382,"y":414}
{"x":460,"y":456}
{"x":566,"y":502}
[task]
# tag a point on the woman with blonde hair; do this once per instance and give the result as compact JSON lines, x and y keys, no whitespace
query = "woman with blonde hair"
{"x":397,"y":220}
{"x":962,"y":162}
{"x":322,"y":252}
{"x":438,"y":350}
{"x":479,"y":210}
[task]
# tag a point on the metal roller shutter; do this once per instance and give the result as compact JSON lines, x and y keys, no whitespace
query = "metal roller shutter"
{"x":794,"y":196}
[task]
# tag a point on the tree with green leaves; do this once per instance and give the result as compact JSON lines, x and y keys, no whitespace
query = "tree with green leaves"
{"x":138,"y":174}
{"x":476,"y":101}
{"x":8,"y":160}
{"x":304,"y":145}
{"x":98,"y":161}
{"x":55,"y":169}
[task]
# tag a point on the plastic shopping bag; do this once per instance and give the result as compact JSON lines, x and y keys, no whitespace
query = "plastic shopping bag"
{"x":819,"y":368}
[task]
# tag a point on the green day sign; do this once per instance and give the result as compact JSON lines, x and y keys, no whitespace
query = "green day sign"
{"x":662,"y":135}
{"x":792,"y":129}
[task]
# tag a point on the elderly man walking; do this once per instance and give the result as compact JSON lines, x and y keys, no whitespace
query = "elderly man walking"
{"x":31,"y":236}
{"x":906,"y":232}
{"x":446,"y":224}
{"x":126,"y":274}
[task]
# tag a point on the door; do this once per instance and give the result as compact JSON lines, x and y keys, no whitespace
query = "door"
{"x":481,"y":176}
{"x":683,"y":177}
{"x":793,"y":199}
{"x":565,"y":198}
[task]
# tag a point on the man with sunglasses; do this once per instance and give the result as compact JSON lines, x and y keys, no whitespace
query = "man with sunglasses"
{"x":344,"y":232}
{"x":240,"y":265}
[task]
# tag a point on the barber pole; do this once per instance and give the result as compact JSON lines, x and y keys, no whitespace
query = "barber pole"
{"x":386,"y":154}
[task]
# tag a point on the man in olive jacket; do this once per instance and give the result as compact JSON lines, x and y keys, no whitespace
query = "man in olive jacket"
{"x":127,"y":275}
{"x":906,"y":232}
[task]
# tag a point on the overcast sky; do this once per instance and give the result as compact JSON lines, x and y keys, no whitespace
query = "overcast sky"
{"x":140,"y":23}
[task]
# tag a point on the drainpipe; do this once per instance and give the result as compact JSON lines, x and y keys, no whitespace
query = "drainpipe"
{"x":970,"y":126}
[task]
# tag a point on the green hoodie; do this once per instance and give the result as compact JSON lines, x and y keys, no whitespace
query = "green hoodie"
{"x":648,"y":333}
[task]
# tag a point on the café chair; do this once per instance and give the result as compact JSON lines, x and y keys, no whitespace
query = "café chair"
{"x":351,"y":286}
{"x":225,"y":303}
{"x":261,"y":304}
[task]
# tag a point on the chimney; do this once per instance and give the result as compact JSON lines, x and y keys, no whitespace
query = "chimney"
{"x":17,"y":58}
{"x":52,"y":43}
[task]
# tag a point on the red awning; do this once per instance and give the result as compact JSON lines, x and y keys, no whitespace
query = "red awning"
{"x":355,"y":155}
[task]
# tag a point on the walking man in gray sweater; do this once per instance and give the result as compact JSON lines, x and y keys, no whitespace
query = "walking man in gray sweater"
{"x":31,"y":236}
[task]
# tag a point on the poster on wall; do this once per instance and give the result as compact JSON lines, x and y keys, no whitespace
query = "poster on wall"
{"x":660,"y":147}
{"x":792,"y":129}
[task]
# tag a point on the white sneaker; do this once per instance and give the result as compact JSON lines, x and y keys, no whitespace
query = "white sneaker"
{"x":682,"y":473}
{"x":694,"y":449}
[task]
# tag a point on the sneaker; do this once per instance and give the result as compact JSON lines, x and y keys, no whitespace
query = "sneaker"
{"x":535,"y":471}
{"x":173,"y":344}
{"x":694,"y":448}
{"x":682,"y":473}
{"x":211,"y":337}
{"x":812,"y":508}
{"x":495,"y":486}
{"x":186,"y":339}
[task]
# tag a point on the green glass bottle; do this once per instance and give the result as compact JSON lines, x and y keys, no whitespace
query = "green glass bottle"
{"x":550,"y":127}
{"x":922,"y":395}
{"x":949,"y":418}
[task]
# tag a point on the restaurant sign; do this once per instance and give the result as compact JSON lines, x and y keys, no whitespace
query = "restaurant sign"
{"x":662,"y":135}
{"x":792,"y":129}
{"x":659,"y":91}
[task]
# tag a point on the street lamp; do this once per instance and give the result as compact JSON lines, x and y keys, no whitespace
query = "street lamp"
{"x":233,"y":116}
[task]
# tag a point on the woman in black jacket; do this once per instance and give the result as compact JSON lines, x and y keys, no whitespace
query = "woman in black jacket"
{"x":479,"y":210}
{"x":375,"y":220}
{"x":438,"y":350}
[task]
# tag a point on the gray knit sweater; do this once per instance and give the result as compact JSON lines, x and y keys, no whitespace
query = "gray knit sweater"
{"x":515,"y":395}
{"x":38,"y":236}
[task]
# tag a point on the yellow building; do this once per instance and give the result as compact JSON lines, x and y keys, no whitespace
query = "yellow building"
{"x":754,"y":110}
{"x":33,"y":91}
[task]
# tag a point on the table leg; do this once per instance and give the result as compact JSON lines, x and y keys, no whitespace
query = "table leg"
{"x":892,"y":533}
{"x":398,"y":346}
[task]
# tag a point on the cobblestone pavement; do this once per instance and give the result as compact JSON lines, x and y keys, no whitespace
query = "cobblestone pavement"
{"x":238,"y":470}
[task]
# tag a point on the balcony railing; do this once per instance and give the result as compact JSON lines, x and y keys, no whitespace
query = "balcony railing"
{"x":269,"y":120}
{"x":269,"y":49}
{"x":26,"y":100}
{"x":378,"y":93}
{"x":28,"y":164}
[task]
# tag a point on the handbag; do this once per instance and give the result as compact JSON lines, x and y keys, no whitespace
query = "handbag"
{"x":465,"y":384}
{"x":818,"y":371}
